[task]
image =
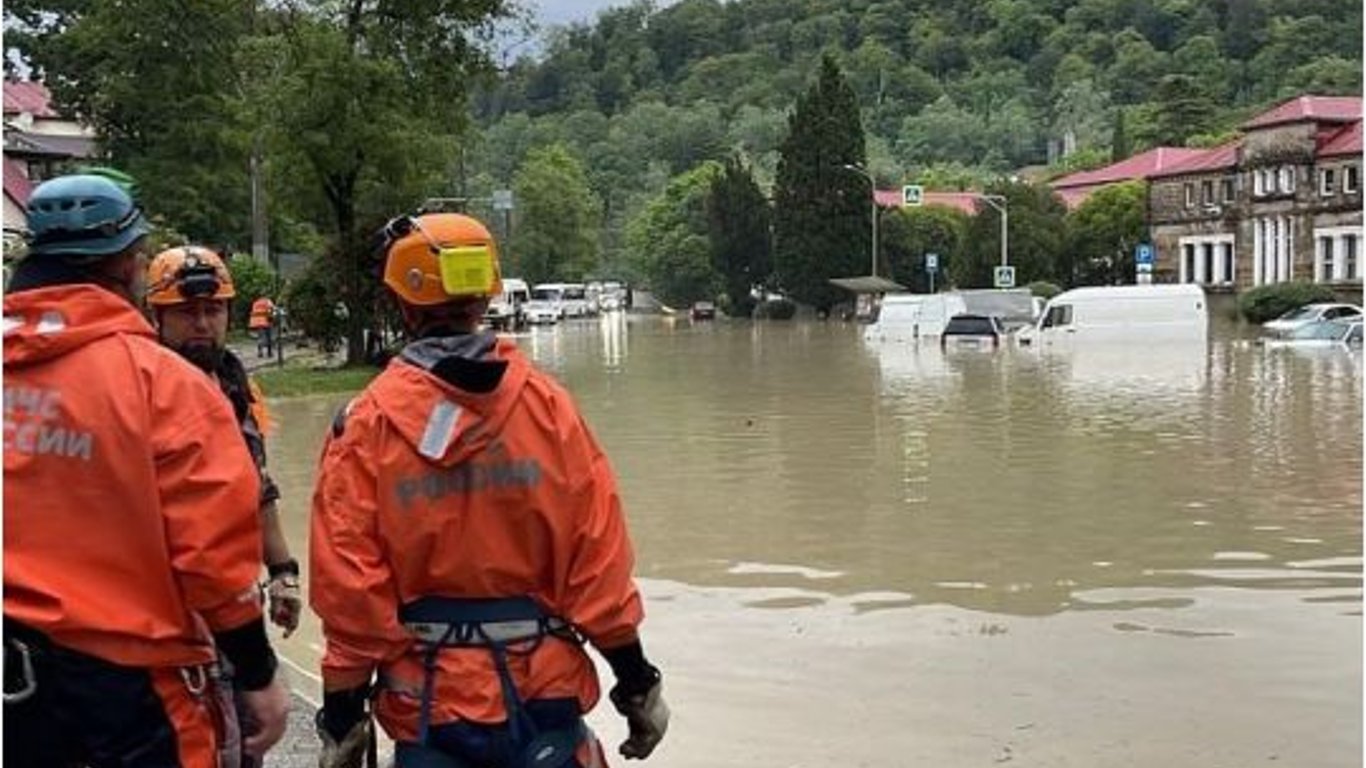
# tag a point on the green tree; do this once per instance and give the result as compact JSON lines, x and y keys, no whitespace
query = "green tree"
{"x":907,"y":234}
{"x":1036,"y":237}
{"x":366,"y":106}
{"x":1102,"y":234}
{"x":557,"y":215}
{"x":163,"y":110}
{"x":741,"y":235}
{"x":821,"y":224}
{"x":1183,"y":110}
{"x":1119,"y":139}
{"x":669,"y":240}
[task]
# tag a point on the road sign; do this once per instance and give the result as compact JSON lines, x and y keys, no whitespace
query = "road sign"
{"x":932,"y":262}
{"x":502,"y":199}
{"x":912,"y":194}
{"x":1143,"y":254}
{"x":1005,"y":277}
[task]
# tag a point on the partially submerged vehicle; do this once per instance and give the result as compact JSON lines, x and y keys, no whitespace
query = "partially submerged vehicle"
{"x":1124,"y":313}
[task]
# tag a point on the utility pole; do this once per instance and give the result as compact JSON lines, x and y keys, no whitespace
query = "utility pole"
{"x":999,"y":203}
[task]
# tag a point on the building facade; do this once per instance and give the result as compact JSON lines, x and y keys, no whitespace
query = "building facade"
{"x":1283,"y":202}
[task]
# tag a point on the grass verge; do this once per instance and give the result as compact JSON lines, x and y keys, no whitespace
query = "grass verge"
{"x":297,"y":381}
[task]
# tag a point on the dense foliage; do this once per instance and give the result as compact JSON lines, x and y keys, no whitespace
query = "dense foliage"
{"x":1268,"y":302}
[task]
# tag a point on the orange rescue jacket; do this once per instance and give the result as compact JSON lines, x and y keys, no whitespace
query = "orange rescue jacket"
{"x":261,"y":314}
{"x":130,"y":498}
{"x":515,"y":499}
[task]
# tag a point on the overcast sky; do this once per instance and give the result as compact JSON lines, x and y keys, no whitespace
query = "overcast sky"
{"x":564,"y":11}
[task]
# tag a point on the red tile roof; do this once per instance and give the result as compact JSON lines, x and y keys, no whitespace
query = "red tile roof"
{"x":1346,"y":141}
{"x":1207,"y":160}
{"x":1323,"y":109}
{"x":28,"y":96}
{"x":1140,"y":166}
{"x":17,"y":184}
{"x":963,"y":201}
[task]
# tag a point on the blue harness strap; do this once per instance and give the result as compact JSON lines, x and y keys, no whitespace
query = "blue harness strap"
{"x":495,"y":624}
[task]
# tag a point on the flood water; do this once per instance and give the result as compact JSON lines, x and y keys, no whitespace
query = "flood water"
{"x":865,"y":556}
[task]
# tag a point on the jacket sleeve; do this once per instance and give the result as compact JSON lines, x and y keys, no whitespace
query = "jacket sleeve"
{"x":352,"y":588}
{"x":208,"y":489}
{"x":598,"y":594}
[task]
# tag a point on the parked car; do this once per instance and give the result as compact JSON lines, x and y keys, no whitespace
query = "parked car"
{"x":1324,"y":333}
{"x":1309,"y":314}
{"x":974,"y":331}
{"x":703,"y":310}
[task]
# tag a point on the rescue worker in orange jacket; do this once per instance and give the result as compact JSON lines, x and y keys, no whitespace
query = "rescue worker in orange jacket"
{"x":117,"y":586}
{"x":467,"y":538}
{"x":261,"y":322}
{"x":189,"y":290}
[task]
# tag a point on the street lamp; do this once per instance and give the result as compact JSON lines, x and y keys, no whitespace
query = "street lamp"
{"x":872,"y":192}
{"x":999,"y":203}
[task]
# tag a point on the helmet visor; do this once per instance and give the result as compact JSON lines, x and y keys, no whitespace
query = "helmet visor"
{"x":468,"y":270}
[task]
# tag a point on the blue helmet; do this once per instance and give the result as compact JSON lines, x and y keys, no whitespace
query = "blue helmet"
{"x":82,"y":215}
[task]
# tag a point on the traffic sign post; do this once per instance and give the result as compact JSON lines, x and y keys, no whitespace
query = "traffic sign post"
{"x":502,"y":199}
{"x":932,"y":266}
{"x":1004,"y":277}
{"x":1144,"y":257}
{"x":912,"y":195}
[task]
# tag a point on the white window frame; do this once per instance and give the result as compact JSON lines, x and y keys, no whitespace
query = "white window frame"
{"x":1258,"y":183}
{"x":1204,"y":253}
{"x":1285,"y":179}
{"x":1337,"y":263}
{"x":1327,"y":182}
{"x":1189,"y":191}
{"x":1351,"y":179}
{"x":1228,"y":189}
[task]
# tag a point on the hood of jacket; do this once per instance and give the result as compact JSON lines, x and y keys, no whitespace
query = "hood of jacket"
{"x":45,"y":323}
{"x":449,"y":396}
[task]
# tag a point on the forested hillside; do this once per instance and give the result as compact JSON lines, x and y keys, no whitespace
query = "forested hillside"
{"x":951,"y":93}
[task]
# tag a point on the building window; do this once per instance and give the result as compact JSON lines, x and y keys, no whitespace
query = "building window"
{"x":1327,"y":182}
{"x":1227,"y":275}
{"x":1206,"y":260}
{"x":1188,"y":263}
{"x":1207,"y":192}
{"x":1285,"y":178}
{"x":1258,"y":183}
{"x":1325,"y":270}
{"x":1350,"y":180}
{"x":1349,"y":258}
{"x":1190,"y":195}
{"x":1228,"y":190}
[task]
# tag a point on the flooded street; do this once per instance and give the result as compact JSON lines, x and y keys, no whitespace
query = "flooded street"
{"x":866,"y":556}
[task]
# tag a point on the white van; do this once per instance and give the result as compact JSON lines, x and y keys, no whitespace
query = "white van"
{"x":505,"y":311}
{"x":910,"y":316}
{"x":1160,"y":313}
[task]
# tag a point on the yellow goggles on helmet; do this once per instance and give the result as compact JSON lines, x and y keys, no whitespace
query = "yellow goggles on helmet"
{"x":467,"y":270}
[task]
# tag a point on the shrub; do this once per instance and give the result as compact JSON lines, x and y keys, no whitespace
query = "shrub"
{"x":312,"y":305}
{"x":1044,"y":289}
{"x":1268,"y":302}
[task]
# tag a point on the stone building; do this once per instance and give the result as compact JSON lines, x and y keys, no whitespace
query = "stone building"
{"x":1282,"y":202}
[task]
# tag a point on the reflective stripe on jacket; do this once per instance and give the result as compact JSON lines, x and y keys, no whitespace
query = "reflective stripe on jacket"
{"x":512,"y":497}
{"x":130,"y":497}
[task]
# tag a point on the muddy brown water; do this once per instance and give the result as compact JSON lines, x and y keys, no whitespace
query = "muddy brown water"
{"x":867,"y":556}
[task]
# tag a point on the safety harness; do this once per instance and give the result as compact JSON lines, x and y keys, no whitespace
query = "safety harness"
{"x":505,"y":626}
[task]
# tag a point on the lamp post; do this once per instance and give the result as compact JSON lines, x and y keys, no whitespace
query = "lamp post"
{"x":999,"y":203}
{"x":872,"y":193}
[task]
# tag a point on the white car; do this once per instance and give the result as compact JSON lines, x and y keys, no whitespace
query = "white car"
{"x":1311,"y":313}
{"x":542,"y":312}
{"x":1325,"y":333}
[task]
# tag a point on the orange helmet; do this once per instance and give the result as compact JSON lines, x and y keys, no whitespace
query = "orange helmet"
{"x":177,"y":275}
{"x":436,"y":258}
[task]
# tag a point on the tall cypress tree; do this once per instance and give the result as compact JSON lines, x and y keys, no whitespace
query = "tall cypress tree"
{"x":741,"y":235}
{"x":1119,"y":141}
{"x":821,"y":210}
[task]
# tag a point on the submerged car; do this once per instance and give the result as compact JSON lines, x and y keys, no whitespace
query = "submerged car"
{"x":975,"y":331}
{"x":1325,"y":333}
{"x":703,"y":310}
{"x":1309,"y":314}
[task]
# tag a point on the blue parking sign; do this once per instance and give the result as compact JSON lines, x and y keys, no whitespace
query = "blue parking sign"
{"x":1143,"y":254}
